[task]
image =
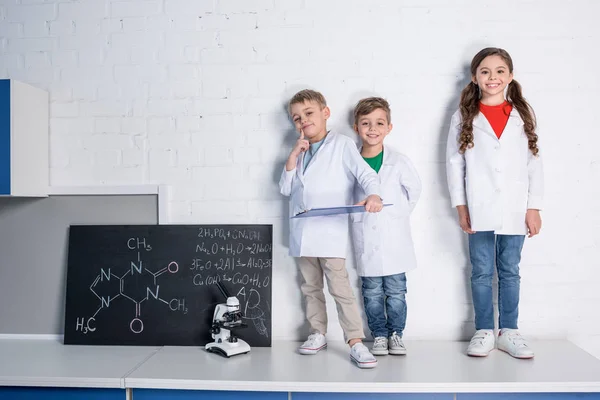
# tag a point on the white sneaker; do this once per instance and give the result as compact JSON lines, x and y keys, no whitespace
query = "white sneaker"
{"x":315,"y":342}
{"x":396,"y":345}
{"x":511,"y":341}
{"x":482,"y":343}
{"x":359,"y":353}
{"x":380,"y":346}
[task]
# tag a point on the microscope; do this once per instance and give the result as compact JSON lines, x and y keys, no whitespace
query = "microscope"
{"x":226,"y":318}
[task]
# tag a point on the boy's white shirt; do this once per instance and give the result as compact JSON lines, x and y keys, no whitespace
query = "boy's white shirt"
{"x":383,"y":242}
{"x":327,"y":181}
{"x":498,"y":179}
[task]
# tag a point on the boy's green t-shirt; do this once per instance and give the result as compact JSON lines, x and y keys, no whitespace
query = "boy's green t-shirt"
{"x":375,"y":162}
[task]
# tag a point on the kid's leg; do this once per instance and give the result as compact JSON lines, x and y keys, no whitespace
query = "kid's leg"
{"x":508,"y":257}
{"x":312,"y":288}
{"x":374,"y":302}
{"x":394,"y":287}
{"x":339,"y":288}
{"x":348,"y":312}
{"x":395,"y":291}
{"x":481,"y":251}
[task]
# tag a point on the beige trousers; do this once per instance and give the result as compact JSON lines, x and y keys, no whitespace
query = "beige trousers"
{"x":334,"y":269}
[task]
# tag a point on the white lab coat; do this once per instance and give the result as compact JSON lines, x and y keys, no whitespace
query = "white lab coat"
{"x":383,"y":242}
{"x":328,"y":181}
{"x":499,"y":179}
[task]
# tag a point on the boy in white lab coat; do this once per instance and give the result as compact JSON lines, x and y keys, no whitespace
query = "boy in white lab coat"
{"x":321,"y":171}
{"x":383,"y":242}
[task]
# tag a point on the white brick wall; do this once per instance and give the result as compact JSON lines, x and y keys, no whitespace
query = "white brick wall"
{"x":192,"y":94}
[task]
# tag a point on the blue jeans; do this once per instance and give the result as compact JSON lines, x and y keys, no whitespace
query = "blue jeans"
{"x":485,"y":250}
{"x":385,"y":304}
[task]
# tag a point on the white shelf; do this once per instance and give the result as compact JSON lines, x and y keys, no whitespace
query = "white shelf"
{"x":429,"y":367}
{"x":50,"y":363}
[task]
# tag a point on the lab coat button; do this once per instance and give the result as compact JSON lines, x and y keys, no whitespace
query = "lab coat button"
{"x":498,"y":190}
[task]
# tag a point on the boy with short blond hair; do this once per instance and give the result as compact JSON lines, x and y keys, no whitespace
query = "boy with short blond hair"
{"x":321,"y":171}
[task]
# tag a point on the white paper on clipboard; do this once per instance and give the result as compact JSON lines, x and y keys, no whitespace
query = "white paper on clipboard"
{"x":324,"y":211}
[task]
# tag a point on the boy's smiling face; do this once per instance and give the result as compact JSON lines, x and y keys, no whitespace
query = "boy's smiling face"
{"x":309,"y":117}
{"x":373,"y":128}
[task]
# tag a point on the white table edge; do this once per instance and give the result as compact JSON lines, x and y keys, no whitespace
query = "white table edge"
{"x":66,"y":382}
{"x":365,"y":387}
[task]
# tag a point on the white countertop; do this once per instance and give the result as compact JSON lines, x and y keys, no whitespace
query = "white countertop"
{"x":430,"y":366}
{"x":51,"y":363}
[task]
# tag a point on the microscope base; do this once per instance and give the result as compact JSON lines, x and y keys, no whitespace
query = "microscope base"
{"x":228,"y":349}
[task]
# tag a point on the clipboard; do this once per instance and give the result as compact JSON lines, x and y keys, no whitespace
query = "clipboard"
{"x":325,"y":211}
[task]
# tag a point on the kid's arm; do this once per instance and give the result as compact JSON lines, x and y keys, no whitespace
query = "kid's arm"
{"x":365,"y":175}
{"x":410,"y":181}
{"x":536,"y":182}
{"x":289,"y":170}
{"x":286,"y":180}
{"x":455,"y":165}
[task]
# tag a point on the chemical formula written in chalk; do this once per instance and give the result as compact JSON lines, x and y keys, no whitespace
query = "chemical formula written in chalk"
{"x":108,"y":287}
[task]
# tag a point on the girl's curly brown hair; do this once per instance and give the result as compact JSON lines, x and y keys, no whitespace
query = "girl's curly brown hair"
{"x":469,"y":103}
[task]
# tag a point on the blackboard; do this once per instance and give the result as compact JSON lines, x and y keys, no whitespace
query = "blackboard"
{"x":156,"y":285}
